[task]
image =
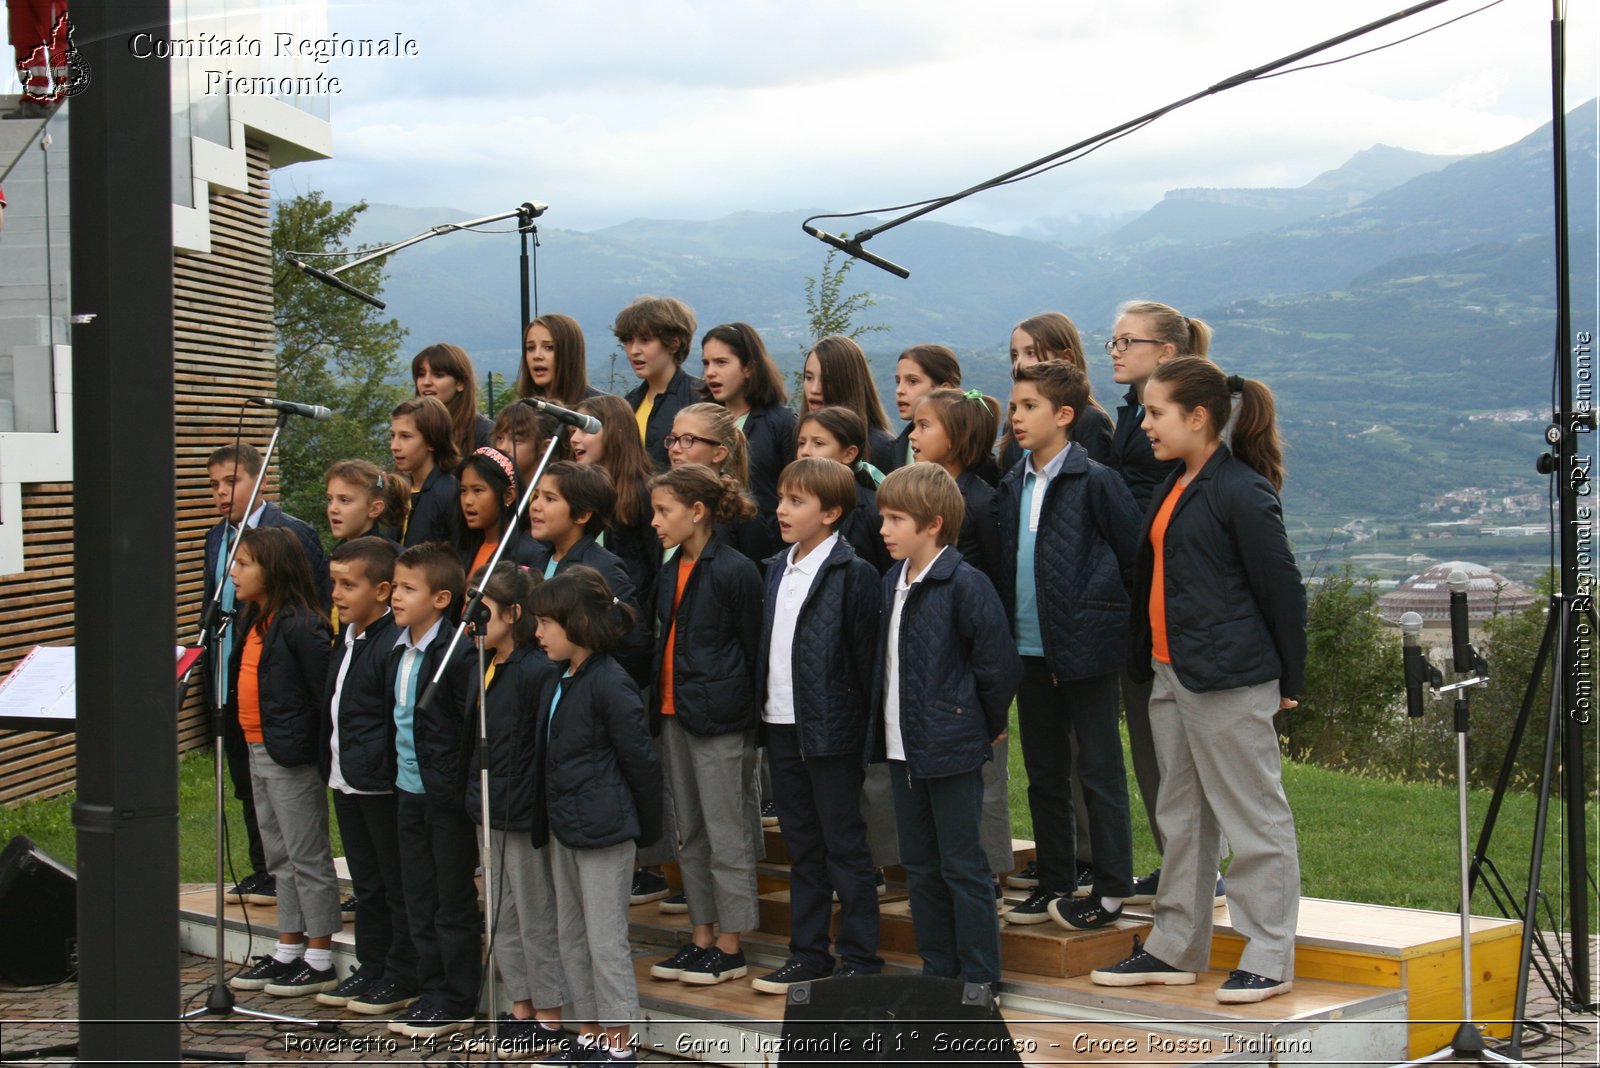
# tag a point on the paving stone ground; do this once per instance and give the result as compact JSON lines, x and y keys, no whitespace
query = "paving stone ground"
{"x":35,"y":1019}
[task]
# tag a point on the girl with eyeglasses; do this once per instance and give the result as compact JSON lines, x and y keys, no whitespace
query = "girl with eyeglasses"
{"x":708,"y":434}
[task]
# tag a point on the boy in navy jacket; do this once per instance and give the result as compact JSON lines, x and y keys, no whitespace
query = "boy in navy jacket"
{"x":231,"y":473}
{"x":1068,"y":543}
{"x":949,"y":671}
{"x":816,"y":672}
{"x":656,"y":333}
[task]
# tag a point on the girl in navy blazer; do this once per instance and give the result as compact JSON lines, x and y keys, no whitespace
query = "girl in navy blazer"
{"x":278,"y":671}
{"x":420,"y":442}
{"x":708,"y":627}
{"x":742,"y":377}
{"x":598,"y":795}
{"x":1224,"y":635}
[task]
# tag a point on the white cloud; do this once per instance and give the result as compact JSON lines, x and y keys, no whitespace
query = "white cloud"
{"x":611,"y":110}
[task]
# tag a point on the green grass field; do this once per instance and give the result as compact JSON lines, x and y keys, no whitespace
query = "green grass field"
{"x":1360,"y":839}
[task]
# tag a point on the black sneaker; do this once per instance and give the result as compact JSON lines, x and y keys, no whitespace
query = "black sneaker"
{"x":673,"y":966}
{"x":347,"y":907}
{"x":250,"y":884}
{"x":1141,"y":969}
{"x":571,"y":1051}
{"x":792,"y":972}
{"x":713,"y":967}
{"x":419,"y":1009}
{"x":302,"y":981}
{"x":1243,"y":988}
{"x":673,"y":904}
{"x":264,"y":971}
{"x":1082,"y":915}
{"x":1085,"y":884}
{"x":769,"y":814}
{"x":355,"y":984}
{"x":383,"y":996}
{"x":647,"y":886}
{"x":514,"y":1039}
{"x":845,"y":971}
{"x":436,"y":1019}
{"x":1027,"y":878}
{"x":1144,"y":889}
{"x":1036,"y":909}
{"x":264,"y":892}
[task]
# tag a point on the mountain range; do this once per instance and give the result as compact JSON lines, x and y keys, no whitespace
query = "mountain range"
{"x":1387,"y":302}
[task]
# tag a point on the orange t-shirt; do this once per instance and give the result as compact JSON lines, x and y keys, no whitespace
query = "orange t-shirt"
{"x":250,"y":686}
{"x":665,"y":683}
{"x":1158,"y":579}
{"x":485,"y":551}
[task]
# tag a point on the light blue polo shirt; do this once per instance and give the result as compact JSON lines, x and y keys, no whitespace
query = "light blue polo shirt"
{"x":1035,"y":484}
{"x":408,"y":773}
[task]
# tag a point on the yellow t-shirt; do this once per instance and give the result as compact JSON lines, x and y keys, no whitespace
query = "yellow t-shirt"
{"x":643,"y":416}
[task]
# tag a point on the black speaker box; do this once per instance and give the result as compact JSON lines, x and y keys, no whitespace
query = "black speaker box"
{"x":39,"y":915}
{"x":894,"y":1019}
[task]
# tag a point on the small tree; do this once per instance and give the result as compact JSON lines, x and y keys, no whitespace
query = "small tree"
{"x":333,"y":350}
{"x":829,"y":310}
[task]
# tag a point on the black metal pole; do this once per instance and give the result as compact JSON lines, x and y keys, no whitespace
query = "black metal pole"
{"x":124,"y":517}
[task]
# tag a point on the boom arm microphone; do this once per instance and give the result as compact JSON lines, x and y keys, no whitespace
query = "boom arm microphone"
{"x":336,"y":282}
{"x":310,"y":411}
{"x":586,"y":423}
{"x":853,"y":248}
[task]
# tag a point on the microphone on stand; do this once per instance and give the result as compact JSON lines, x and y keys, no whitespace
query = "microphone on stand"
{"x":310,"y":411}
{"x":1416,"y":662}
{"x":336,"y":282}
{"x":1460,"y":635}
{"x":586,"y":423}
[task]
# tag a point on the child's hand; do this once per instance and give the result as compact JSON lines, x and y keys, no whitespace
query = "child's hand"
{"x":1286,"y":703}
{"x":999,"y":737}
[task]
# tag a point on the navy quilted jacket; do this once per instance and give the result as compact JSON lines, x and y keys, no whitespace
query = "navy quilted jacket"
{"x":959,"y":669}
{"x":1084,"y":554}
{"x":439,"y":730}
{"x":366,"y":710}
{"x":513,"y":702}
{"x":1236,"y":606}
{"x":718,"y":623}
{"x":834,"y":656}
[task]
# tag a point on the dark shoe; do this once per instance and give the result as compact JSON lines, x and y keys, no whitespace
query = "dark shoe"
{"x":265,"y":892}
{"x":647,"y":886}
{"x":673,"y":904}
{"x":769,"y":814}
{"x":516,"y":1040}
{"x":1141,"y":969}
{"x":264,"y":971}
{"x":355,"y":984}
{"x":1036,"y":909}
{"x":1085,"y":884}
{"x":240,"y":892}
{"x":383,"y":996}
{"x":438,"y":1019}
{"x":673,"y":966}
{"x":713,"y":967}
{"x":845,"y":971}
{"x":1082,"y":915}
{"x":1027,"y":878}
{"x":347,"y":908}
{"x":793,"y":972}
{"x":419,"y":1008}
{"x":1243,"y":988}
{"x":571,"y":1051}
{"x":302,"y":981}
{"x":1144,"y":889}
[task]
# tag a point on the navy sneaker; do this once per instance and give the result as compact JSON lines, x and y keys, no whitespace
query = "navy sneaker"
{"x":713,"y":967}
{"x":1027,"y":878}
{"x":383,"y":996}
{"x":1035,"y":909}
{"x":673,"y":966}
{"x":1085,"y":884}
{"x":264,"y":971}
{"x":1082,"y":914}
{"x":769,"y":814}
{"x":1144,"y":889}
{"x":420,"y":1008}
{"x":792,"y":972}
{"x":355,"y":984}
{"x":253,"y":887}
{"x":647,"y":886}
{"x":1243,"y":988}
{"x":1141,"y":969}
{"x":303,"y":980}
{"x":673,"y":904}
{"x":347,"y":907}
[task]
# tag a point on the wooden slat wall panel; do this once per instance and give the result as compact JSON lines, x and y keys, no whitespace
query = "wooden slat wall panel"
{"x":223,"y":353}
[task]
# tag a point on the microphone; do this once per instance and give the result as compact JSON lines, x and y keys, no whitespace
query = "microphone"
{"x":1416,"y":663}
{"x":338,"y":283}
{"x":310,"y":411}
{"x":1460,"y":639}
{"x":853,"y":248}
{"x":533,"y":209}
{"x":586,"y":423}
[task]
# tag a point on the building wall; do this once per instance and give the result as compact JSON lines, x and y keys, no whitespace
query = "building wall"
{"x":223,"y":349}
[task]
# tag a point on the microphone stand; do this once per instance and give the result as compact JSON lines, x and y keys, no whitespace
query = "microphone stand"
{"x":214,"y":623}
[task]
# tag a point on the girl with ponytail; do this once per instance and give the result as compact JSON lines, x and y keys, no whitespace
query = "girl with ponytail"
{"x":708,"y":624}
{"x":708,"y":434}
{"x":838,"y":433}
{"x":1224,"y":638}
{"x":1040,"y":339}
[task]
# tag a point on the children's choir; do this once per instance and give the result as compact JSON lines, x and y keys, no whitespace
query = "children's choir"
{"x":713,"y":589}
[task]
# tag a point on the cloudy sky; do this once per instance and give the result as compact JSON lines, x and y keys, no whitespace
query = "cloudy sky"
{"x":610,"y":110}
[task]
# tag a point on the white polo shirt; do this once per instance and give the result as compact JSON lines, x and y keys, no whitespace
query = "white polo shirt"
{"x":792,"y":591}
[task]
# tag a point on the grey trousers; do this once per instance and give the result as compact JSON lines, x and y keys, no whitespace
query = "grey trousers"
{"x":994,"y":828}
{"x":877,"y":808}
{"x":719,"y":822}
{"x":1222,"y":773}
{"x":1146,"y":769}
{"x":525,"y":944}
{"x":592,"y":928}
{"x":292,"y":810}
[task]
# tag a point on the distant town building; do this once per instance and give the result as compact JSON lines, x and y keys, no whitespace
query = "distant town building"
{"x":1428,"y":594}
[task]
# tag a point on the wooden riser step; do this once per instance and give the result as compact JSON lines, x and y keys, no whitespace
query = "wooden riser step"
{"x":1022,"y":850}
